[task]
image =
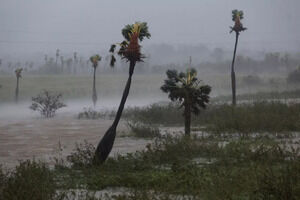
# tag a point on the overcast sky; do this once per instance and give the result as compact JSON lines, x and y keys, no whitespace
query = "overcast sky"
{"x":30,"y":26}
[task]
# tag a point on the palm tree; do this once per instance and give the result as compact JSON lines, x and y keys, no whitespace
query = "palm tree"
{"x":57,"y":55}
{"x":95,"y":60}
{"x":18,"y":75}
{"x":131,"y":51}
{"x":187,"y":89}
{"x":238,"y":27}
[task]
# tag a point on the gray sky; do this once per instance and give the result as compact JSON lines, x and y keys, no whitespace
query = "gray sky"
{"x":30,"y":26}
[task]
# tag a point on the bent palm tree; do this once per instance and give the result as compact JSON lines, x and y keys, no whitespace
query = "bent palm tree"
{"x":95,"y":60}
{"x":18,"y":75}
{"x":186,"y":88}
{"x":238,"y":27}
{"x":131,"y":51}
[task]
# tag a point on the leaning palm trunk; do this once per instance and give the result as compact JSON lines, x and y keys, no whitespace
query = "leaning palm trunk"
{"x":105,"y":145}
{"x":17,"y":91}
{"x":233,"y":81}
{"x":94,"y":97}
{"x":187,"y":119}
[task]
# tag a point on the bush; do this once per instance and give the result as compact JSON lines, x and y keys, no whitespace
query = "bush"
{"x":47,"y":103}
{"x":89,"y":113}
{"x":294,"y":76}
{"x":83,"y":155}
{"x":143,"y":131}
{"x":251,"y":80}
{"x":29,"y":181}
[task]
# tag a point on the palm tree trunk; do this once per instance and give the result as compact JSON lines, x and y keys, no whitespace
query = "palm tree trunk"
{"x":187,"y":118}
{"x":105,"y":145}
{"x":233,"y":81}
{"x":17,"y":91}
{"x":94,"y":88}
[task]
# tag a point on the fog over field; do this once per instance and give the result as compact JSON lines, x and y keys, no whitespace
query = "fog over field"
{"x":35,"y":27}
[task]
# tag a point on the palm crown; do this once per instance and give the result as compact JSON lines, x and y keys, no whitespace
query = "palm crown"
{"x":182,"y":86}
{"x":18,"y":72}
{"x":95,"y":59}
{"x":130,"y":48}
{"x":237,"y":16}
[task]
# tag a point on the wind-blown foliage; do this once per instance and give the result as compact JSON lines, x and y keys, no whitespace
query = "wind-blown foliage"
{"x":237,"y":16}
{"x":188,"y":90}
{"x":131,"y":51}
{"x":129,"y":48}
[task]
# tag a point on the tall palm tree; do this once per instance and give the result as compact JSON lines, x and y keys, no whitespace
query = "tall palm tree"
{"x":237,"y":16}
{"x":18,"y":75}
{"x":187,"y":89}
{"x":56,"y":56}
{"x":95,"y":60}
{"x":131,"y":51}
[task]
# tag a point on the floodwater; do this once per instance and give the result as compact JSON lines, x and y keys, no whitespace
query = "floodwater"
{"x":26,"y":135}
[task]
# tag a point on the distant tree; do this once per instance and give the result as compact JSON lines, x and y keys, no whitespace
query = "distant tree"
{"x":18,"y":73}
{"x":75,"y":62}
{"x":62,"y":63}
{"x":57,"y":55}
{"x":47,"y":103}
{"x":95,"y":60}
{"x":187,"y":89}
{"x":294,"y":76}
{"x":46,"y":58}
{"x":238,"y":27}
{"x":130,"y":50}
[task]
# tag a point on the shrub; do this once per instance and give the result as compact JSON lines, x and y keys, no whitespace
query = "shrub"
{"x":89,"y":113}
{"x":251,"y":80}
{"x":47,"y":103}
{"x":29,"y":181}
{"x":294,"y":76}
{"x":143,"y":131}
{"x":83,"y":155}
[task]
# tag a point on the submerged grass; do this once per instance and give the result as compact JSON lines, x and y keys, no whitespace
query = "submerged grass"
{"x":197,"y":167}
{"x":170,"y":168}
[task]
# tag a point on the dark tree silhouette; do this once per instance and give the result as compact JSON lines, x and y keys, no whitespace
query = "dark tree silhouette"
{"x":95,"y":60}
{"x":18,"y":73}
{"x":238,"y":27}
{"x":131,"y":51}
{"x":187,"y":89}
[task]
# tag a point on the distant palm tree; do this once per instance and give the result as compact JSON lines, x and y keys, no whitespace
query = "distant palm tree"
{"x":131,"y":51}
{"x":95,"y":60}
{"x":57,"y":55}
{"x":18,"y":75}
{"x":187,"y":89}
{"x":238,"y":27}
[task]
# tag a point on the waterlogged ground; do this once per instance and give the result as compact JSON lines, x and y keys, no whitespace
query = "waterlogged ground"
{"x":25,"y":135}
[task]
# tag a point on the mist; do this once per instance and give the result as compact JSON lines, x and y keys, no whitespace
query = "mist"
{"x":31,"y":27}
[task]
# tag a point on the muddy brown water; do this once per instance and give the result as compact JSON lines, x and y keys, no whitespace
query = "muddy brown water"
{"x":43,"y":139}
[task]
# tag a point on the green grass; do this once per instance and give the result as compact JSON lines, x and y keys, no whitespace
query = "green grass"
{"x":202,"y":168}
{"x":272,"y":117}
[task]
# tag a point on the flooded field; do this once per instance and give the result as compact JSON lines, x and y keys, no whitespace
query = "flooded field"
{"x":24,"y":134}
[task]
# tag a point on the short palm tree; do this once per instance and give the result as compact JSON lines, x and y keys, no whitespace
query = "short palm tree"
{"x":95,"y":60}
{"x":18,"y":73}
{"x":188,"y":90}
{"x":130,"y":50}
{"x":237,"y":16}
